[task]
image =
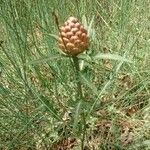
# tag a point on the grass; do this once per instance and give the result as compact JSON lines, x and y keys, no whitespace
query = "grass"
{"x":40,"y":107}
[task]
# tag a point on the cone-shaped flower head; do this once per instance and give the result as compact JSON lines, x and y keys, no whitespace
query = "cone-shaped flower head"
{"x":73,"y":38}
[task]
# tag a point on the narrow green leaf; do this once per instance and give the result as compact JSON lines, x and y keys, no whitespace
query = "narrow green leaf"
{"x":91,"y":31}
{"x":45,"y":59}
{"x":77,"y":115}
{"x":85,"y":57}
{"x":49,"y":106}
{"x":111,"y":56}
{"x":89,"y":84}
{"x":53,"y":36}
{"x":147,"y":142}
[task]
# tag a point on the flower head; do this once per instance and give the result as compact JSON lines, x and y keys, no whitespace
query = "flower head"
{"x":73,"y":38}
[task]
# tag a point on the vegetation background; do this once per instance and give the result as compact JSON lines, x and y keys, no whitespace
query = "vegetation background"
{"x":39,"y":108}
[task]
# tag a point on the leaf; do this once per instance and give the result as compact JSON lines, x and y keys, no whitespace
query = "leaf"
{"x":111,"y":56}
{"x":91,"y":31}
{"x":53,"y":36}
{"x":45,"y":59}
{"x":85,"y":57}
{"x":3,"y":90}
{"x":107,"y":84}
{"x":89,"y":84}
{"x":147,"y":142}
{"x":77,"y":115}
{"x":84,"y":21}
{"x":88,"y":26}
{"x":49,"y":106}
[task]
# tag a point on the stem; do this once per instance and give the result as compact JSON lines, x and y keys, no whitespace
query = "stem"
{"x":79,"y":85}
{"x":84,"y":130}
{"x":80,"y":97}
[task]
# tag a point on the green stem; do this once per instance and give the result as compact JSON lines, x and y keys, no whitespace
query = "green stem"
{"x":84,"y":130}
{"x":79,"y":85}
{"x":80,"y":97}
